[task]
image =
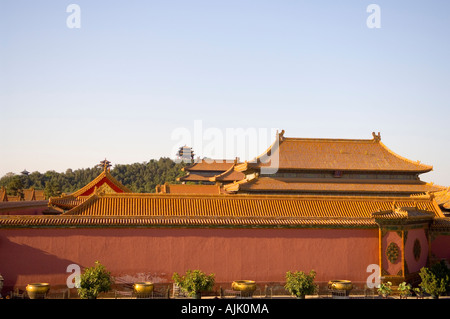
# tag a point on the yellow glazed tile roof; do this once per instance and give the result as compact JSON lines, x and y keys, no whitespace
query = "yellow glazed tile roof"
{"x":160,"y":210}
{"x":334,"y":154}
{"x":303,"y":185}
{"x":144,"y":221}
{"x":244,"y":206}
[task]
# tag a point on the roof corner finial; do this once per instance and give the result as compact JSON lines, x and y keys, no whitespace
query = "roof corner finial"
{"x":376,"y":137}
{"x":281,"y":135}
{"x":105,"y":165}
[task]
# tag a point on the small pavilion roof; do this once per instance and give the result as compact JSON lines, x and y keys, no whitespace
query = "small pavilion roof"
{"x":230,"y":175}
{"x":207,"y":164}
{"x":206,"y":170}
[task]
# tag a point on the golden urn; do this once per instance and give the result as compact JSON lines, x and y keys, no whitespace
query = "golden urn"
{"x":144,"y":288}
{"x":341,"y":285}
{"x":246,"y":287}
{"x":37,"y":290}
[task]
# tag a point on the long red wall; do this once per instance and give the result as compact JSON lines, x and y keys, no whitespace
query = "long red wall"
{"x":136,"y":254}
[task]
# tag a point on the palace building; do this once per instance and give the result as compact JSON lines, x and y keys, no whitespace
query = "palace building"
{"x":332,"y":205}
{"x":210,"y":171}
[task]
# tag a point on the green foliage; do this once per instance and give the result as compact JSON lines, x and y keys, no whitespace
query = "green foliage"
{"x":404,"y":289}
{"x":385,"y":289}
{"x":93,"y":281}
{"x":299,"y":283}
{"x":143,"y":178}
{"x":433,"y":284}
{"x":418,"y":291}
{"x":440,"y":270}
{"x":194,"y":281}
{"x":15,"y":186}
{"x":138,"y":177}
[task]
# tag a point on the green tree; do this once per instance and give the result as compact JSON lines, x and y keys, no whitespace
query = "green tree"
{"x":194,"y":282}
{"x":15,"y":186}
{"x":52,"y":188}
{"x":300,"y":284}
{"x":139,"y":177}
{"x":433,"y":284}
{"x":93,"y":281}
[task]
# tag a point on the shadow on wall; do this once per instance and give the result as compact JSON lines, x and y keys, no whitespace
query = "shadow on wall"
{"x":21,"y":264}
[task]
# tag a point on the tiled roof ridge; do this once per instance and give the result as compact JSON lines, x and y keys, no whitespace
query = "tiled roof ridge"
{"x":424,"y":166}
{"x":103,"y":174}
{"x":424,"y":197}
{"x":218,"y":176}
{"x":326,"y":139}
{"x":180,"y":221}
{"x":206,"y":204}
{"x":224,"y":174}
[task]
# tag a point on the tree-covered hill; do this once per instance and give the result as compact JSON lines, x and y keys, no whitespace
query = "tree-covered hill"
{"x":139,"y":177}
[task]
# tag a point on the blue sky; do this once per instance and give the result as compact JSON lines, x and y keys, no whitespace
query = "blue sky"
{"x":136,"y":71}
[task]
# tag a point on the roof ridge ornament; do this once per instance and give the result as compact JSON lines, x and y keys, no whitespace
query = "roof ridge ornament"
{"x":376,"y":137}
{"x":281,"y":135}
{"x":105,"y":164}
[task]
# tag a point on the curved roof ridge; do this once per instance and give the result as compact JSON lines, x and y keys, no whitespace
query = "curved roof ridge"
{"x":228,"y":172}
{"x":425,"y":168}
{"x":278,"y":140}
{"x":76,"y":210}
{"x":223,"y":173}
{"x":104,"y":174}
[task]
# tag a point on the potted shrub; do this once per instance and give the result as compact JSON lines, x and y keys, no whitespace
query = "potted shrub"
{"x":300,"y":284}
{"x":404,"y":290}
{"x":419,"y":292}
{"x":432,"y":284}
{"x":93,"y":281}
{"x":194,"y":282}
{"x":385,"y":289}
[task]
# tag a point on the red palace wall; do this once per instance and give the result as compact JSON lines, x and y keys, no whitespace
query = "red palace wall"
{"x":136,"y":254}
{"x":440,"y":247}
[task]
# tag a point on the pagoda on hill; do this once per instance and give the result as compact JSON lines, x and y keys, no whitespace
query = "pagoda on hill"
{"x":315,"y":166}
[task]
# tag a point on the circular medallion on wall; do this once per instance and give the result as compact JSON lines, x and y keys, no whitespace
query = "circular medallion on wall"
{"x":393,"y":252}
{"x":417,"y":249}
